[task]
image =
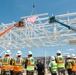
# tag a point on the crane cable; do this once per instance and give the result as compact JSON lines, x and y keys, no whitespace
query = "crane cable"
{"x":33,"y":8}
{"x":17,"y":24}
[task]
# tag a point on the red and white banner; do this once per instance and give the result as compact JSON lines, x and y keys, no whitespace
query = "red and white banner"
{"x":31,"y":19}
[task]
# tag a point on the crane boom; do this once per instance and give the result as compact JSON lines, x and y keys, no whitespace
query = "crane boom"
{"x":52,"y":20}
{"x":19,"y":24}
{"x":3,"y":32}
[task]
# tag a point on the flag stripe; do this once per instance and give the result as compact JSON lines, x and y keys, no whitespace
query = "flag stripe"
{"x":32,"y":19}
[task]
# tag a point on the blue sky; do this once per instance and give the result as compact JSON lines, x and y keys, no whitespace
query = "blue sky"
{"x":12,"y":10}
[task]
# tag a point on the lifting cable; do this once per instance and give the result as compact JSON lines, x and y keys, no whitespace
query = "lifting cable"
{"x":19,"y":24}
{"x":33,"y":8}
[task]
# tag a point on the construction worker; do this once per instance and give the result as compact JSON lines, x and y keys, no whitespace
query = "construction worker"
{"x":53,"y":66}
{"x":40,"y":67}
{"x":6,"y":63}
{"x":60,"y":63}
{"x":30,"y":64}
{"x":74,"y":64}
{"x":73,"y":58}
{"x":18,"y":63}
{"x":68,"y":65}
{"x":21,"y":23}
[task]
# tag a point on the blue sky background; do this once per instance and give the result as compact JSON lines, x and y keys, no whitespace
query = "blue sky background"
{"x":12,"y":10}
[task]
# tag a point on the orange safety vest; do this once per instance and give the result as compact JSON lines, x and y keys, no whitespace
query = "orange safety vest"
{"x":74,"y":66}
{"x":6,"y":63}
{"x":12,"y":67}
{"x":18,"y":65}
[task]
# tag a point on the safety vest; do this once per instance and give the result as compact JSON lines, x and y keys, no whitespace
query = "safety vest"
{"x":53,"y":66}
{"x":30,"y":64}
{"x":18,"y":64}
{"x":69,"y":64}
{"x":74,"y":66}
{"x":60,"y":61}
{"x":6,"y":63}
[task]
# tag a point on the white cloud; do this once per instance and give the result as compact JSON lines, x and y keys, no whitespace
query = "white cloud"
{"x":70,"y":49}
{"x":66,"y":53}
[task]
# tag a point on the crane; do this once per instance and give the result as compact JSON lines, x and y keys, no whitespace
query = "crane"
{"x":21,"y":23}
{"x":54,"y":20}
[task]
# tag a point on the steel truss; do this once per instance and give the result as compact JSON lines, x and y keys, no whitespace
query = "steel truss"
{"x":40,"y":33}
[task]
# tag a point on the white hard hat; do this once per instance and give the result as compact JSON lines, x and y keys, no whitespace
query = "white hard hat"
{"x":19,"y":53}
{"x":52,"y":58}
{"x":68,"y":56}
{"x":7,"y":52}
{"x":73,"y":55}
{"x":29,"y":52}
{"x":59,"y":51}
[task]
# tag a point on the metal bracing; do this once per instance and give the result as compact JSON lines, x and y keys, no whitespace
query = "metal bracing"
{"x":40,"y":33}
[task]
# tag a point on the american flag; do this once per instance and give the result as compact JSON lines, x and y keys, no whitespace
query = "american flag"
{"x":31,"y":19}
